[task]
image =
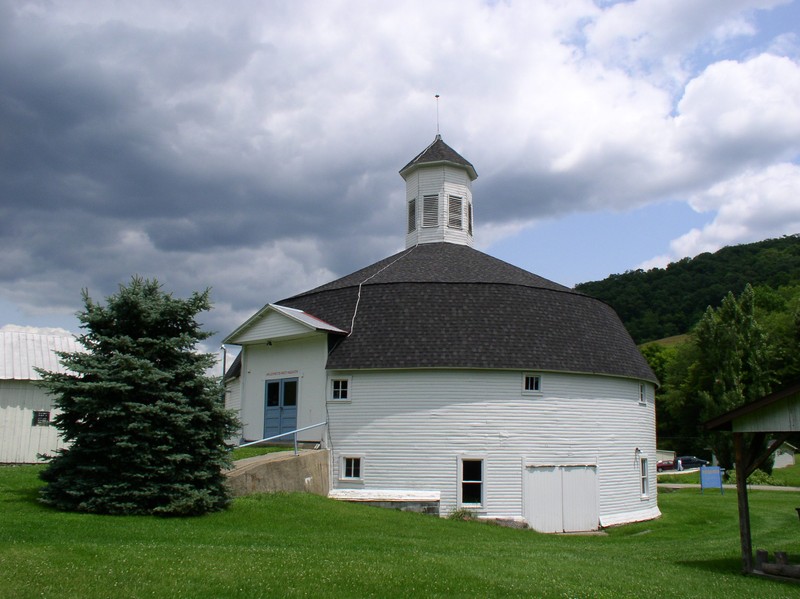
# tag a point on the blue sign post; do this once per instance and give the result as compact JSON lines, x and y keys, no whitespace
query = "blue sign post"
{"x":711,"y":478}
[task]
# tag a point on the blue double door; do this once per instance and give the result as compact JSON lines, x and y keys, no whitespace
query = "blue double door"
{"x":280,"y":407}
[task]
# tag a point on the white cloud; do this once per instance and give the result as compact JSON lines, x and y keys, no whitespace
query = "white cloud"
{"x":739,"y":113}
{"x":749,"y":207}
{"x":657,"y":37}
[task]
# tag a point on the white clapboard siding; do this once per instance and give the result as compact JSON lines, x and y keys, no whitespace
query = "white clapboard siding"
{"x":302,"y":358}
{"x":233,"y":402}
{"x":272,"y":325}
{"x":783,"y":415}
{"x":412,"y":426}
{"x":440,"y":181}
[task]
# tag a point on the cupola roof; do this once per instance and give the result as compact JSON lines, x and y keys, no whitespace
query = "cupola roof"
{"x":439,"y":152}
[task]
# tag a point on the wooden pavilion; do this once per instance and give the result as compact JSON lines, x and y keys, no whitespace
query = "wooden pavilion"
{"x":775,"y":416}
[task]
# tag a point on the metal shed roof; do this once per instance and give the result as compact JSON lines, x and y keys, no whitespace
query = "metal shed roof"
{"x":21,"y":352}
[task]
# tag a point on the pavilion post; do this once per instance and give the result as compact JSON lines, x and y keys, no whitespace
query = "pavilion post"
{"x":744,"y":507}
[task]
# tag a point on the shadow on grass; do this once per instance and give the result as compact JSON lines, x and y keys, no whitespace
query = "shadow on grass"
{"x":734,"y":567}
{"x":728,"y":565}
{"x":27,"y":496}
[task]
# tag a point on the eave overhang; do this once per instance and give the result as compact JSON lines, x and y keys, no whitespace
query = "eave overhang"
{"x":414,"y":166}
{"x":728,"y":421}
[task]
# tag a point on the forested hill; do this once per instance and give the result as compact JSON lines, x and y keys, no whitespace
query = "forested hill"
{"x":669,"y":301}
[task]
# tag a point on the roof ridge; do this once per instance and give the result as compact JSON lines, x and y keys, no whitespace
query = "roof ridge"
{"x":418,"y":156}
{"x":427,"y":268}
{"x":565,"y":290}
{"x":373,"y":275}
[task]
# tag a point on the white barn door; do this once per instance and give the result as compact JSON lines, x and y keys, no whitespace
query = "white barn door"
{"x":560,"y":498}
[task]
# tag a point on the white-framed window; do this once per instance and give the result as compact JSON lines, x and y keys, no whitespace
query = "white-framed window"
{"x":340,"y":389}
{"x":642,"y":393}
{"x":469,"y":218}
{"x":531,"y":383}
{"x":430,"y":211}
{"x":643,"y":473}
{"x":412,"y":215}
{"x":455,"y":218}
{"x":352,"y":468}
{"x":471,"y":477}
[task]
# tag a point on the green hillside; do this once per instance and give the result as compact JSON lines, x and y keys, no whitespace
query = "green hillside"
{"x":662,"y":302}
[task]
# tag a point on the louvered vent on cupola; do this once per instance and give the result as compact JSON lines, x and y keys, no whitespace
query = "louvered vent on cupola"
{"x":430,"y":211}
{"x":455,"y":217}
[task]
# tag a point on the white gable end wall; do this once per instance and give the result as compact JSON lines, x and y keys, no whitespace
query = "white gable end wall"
{"x":20,"y":440}
{"x":411,"y":427}
{"x":302,"y":358}
{"x":271,"y":326}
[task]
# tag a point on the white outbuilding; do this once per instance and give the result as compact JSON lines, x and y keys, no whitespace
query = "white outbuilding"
{"x":26,"y":409}
{"x":441,"y":374}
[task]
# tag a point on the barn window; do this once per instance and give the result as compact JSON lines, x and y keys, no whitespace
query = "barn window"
{"x":471,"y":480}
{"x":645,"y":482}
{"x":531,"y":384}
{"x":455,"y":219}
{"x":469,"y":218}
{"x":412,"y":216}
{"x":430,"y":211}
{"x":351,"y":468}
{"x":642,"y":393}
{"x":41,"y":418}
{"x":340,"y":389}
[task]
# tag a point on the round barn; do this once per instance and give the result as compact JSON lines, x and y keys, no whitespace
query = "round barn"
{"x":445,"y":376}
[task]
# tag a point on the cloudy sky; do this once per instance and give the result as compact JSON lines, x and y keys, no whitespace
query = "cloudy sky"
{"x":254,"y":147}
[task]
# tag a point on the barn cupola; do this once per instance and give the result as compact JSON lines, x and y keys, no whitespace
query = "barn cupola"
{"x":439,"y":196}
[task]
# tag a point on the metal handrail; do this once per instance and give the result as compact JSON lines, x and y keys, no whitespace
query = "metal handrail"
{"x":294,"y":432}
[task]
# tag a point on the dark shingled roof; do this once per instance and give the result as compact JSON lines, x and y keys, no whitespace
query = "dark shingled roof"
{"x":439,"y":151}
{"x":442,"y":305}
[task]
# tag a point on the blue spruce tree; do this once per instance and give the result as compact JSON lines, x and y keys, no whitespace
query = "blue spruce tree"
{"x":144,"y":424}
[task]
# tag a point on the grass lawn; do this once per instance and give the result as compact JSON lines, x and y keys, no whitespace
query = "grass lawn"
{"x":240,"y":453}
{"x":299,"y":545}
{"x":785,"y":477}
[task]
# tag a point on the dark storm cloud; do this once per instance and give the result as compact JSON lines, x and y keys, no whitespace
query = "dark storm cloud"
{"x":255,"y":148}
{"x":91,"y":129}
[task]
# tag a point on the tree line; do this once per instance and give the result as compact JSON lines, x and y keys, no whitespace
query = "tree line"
{"x":663,"y":302}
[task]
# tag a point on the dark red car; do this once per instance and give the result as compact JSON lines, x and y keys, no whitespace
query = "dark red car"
{"x":665,"y":465}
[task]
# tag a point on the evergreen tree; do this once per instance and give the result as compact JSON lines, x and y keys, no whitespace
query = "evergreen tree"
{"x":144,"y":425}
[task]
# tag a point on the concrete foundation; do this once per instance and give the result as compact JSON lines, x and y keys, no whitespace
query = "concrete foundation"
{"x":424,"y":502}
{"x":421,"y":507}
